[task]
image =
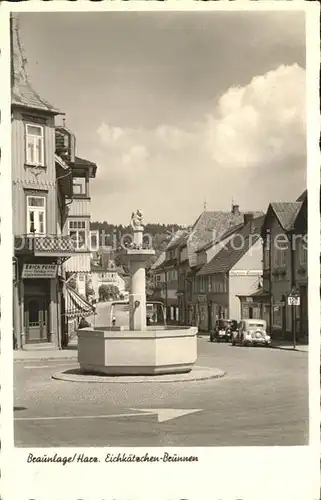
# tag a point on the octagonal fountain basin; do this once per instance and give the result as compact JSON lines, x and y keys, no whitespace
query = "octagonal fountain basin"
{"x":154,"y":351}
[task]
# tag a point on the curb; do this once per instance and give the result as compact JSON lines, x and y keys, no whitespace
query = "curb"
{"x":285,"y":348}
{"x":55,"y":358}
{"x":152,"y":379}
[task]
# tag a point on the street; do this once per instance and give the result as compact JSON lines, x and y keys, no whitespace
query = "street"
{"x":262,"y":400}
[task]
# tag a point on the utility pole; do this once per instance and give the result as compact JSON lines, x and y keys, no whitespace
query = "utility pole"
{"x":293,"y":288}
{"x":268,"y":244}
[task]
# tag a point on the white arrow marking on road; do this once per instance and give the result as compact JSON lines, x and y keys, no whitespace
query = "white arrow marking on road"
{"x":163,"y":414}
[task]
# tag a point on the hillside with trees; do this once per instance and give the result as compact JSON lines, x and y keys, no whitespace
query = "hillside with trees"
{"x":112,"y":235}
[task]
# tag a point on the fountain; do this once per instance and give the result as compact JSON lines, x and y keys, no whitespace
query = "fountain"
{"x":138,"y":349}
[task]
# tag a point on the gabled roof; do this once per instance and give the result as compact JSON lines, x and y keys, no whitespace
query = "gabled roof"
{"x":303,"y":196}
{"x":22,"y":92}
{"x":226,"y":234}
{"x":209,"y":228}
{"x":286,"y":213}
{"x":179,"y":238}
{"x":232,"y":252}
{"x":158,"y":262}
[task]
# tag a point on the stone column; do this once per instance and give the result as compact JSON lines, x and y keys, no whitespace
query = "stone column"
{"x":137,"y":296}
{"x":16,"y":315}
{"x":22,"y":313}
{"x":53,"y":323}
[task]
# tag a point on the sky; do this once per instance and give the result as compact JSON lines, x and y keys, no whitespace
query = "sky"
{"x":177,"y":109}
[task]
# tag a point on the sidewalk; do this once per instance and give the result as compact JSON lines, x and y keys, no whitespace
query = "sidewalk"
{"x":46,"y":354}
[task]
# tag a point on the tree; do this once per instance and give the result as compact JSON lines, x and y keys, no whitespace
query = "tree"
{"x":107,"y":292}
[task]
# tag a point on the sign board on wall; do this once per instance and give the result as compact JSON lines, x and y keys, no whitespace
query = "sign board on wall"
{"x":39,"y":271}
{"x":249,"y":272}
{"x":293,"y":301}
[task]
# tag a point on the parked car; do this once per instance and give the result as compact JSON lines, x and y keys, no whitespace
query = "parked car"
{"x":223,"y":330}
{"x":252,"y":332}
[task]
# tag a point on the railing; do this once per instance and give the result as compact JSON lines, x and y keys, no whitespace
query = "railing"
{"x":48,"y":244}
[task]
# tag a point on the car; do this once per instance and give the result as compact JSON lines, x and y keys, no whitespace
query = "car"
{"x":223,"y":330}
{"x":252,"y":332}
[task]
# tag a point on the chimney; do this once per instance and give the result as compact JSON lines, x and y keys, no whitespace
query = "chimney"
{"x":236,"y":209}
{"x":248,"y":218}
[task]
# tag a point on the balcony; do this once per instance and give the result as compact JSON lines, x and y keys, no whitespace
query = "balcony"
{"x":49,"y":245}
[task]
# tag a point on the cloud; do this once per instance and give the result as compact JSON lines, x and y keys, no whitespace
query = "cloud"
{"x":261,"y":122}
{"x":251,"y":131}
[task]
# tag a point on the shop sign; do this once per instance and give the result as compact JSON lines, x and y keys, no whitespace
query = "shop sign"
{"x":201,"y":298}
{"x":39,"y":271}
{"x":249,"y":299}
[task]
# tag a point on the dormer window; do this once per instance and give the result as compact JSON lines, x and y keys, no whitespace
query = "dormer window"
{"x":34,"y":144}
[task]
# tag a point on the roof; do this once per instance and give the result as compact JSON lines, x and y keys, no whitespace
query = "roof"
{"x":167,"y":263}
{"x":159,"y":261}
{"x":286,"y":212}
{"x":227,"y":233}
{"x":226,"y":258}
{"x":303,"y":196}
{"x":83,"y":163}
{"x":210,"y":226}
{"x":178,"y":239}
{"x":22,"y":92}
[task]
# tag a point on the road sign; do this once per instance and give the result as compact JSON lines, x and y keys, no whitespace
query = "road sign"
{"x":293,"y":301}
{"x":294,"y":292}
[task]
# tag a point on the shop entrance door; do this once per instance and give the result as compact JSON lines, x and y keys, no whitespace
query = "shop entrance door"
{"x":36,"y":319}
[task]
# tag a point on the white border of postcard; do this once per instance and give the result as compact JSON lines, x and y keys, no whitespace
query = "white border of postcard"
{"x":221,"y":473}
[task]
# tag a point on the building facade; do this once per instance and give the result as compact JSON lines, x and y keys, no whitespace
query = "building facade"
{"x":42,"y":193}
{"x":109,"y":276}
{"x":234,"y":270}
{"x":78,"y":267}
{"x":284,"y":235}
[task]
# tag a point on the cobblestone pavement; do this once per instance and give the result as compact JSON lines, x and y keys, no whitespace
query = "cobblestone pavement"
{"x":263,"y":400}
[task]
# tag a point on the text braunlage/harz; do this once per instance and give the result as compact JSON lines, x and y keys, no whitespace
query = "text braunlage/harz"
{"x":82,"y":458}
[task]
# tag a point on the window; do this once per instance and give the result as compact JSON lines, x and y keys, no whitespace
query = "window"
{"x":79,"y":186}
{"x":36,"y":215}
{"x":34,"y":144}
{"x":280,"y":257}
{"x":266,"y":257}
{"x":94,"y":241}
{"x":303,"y":253}
{"x":77,"y":231}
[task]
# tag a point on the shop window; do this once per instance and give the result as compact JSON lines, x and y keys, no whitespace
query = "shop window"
{"x":36,"y":215}
{"x":34,"y":144}
{"x":77,"y":231}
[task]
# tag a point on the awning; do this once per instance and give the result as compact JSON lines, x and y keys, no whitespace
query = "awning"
{"x":75,"y":305}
